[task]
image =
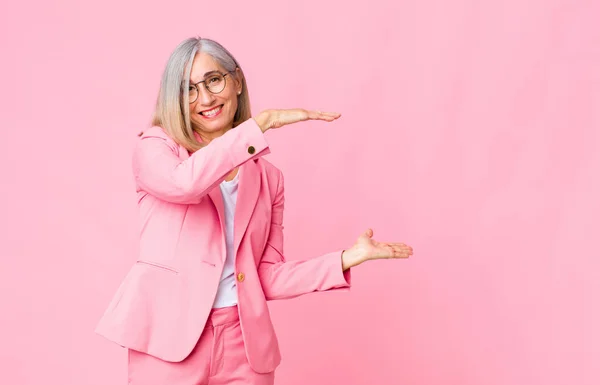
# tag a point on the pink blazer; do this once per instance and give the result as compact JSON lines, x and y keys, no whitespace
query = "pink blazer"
{"x":163,"y":303}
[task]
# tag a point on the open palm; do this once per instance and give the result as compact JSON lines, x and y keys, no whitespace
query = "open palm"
{"x":369,"y":248}
{"x":280,"y":118}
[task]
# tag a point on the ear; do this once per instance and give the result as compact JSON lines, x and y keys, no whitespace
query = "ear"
{"x":239,"y":80}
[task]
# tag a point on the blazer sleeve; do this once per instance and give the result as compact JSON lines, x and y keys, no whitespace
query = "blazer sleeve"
{"x":159,"y":171}
{"x":281,"y":279}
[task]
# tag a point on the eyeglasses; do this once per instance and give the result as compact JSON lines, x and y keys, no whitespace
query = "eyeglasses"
{"x":215,"y":83}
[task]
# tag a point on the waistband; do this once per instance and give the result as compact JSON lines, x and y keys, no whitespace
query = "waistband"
{"x":223,"y":315}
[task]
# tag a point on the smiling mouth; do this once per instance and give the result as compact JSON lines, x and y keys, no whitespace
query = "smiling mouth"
{"x":213,"y":112}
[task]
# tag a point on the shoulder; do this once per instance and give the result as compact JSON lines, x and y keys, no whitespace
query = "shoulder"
{"x":270,"y":169}
{"x":155,"y":134}
{"x":274,"y":176}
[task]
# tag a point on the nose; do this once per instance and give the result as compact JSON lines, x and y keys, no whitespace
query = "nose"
{"x":205,"y":97}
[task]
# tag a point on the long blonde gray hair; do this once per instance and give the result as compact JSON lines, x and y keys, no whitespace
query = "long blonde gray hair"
{"x":172,"y":111}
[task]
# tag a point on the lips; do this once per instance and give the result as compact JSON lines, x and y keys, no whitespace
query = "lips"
{"x":212,"y":112}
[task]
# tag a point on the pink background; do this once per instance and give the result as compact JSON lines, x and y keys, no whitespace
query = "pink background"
{"x":470,"y":130}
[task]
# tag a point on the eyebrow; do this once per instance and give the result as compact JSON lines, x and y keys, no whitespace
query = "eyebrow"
{"x":205,"y":75}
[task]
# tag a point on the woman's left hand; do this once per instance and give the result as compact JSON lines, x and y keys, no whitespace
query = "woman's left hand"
{"x":366,"y":249}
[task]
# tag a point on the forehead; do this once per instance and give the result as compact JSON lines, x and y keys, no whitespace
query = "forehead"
{"x":203,"y":64}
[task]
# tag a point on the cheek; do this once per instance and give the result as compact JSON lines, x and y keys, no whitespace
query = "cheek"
{"x":233,"y":104}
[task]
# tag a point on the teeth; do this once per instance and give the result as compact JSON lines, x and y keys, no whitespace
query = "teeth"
{"x":212,"y":112}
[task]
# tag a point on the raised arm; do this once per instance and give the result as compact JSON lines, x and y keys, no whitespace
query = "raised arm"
{"x":159,"y":171}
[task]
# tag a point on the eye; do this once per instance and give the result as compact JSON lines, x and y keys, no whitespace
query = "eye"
{"x":214,"y":79}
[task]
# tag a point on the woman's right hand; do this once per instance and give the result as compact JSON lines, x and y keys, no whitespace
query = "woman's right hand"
{"x":277,"y":118}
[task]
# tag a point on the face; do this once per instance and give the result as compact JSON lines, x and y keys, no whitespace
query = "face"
{"x":212,"y":114}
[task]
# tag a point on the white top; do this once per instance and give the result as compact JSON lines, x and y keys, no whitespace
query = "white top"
{"x":227,"y":292}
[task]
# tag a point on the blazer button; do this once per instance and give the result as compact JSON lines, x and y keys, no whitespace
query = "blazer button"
{"x":251,"y":150}
{"x":240,"y":277}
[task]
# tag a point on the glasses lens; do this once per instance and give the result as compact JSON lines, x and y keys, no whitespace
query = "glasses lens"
{"x":193,"y":94}
{"x":215,"y":83}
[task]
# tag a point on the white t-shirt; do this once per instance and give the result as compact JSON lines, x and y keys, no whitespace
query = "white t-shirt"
{"x":227,"y":292}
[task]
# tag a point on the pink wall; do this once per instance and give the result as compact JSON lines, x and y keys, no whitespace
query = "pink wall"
{"x":470,"y":130}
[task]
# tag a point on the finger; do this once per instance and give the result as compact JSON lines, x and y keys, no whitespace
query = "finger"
{"x":402,"y":254}
{"x":394,"y":252}
{"x":331,"y":114}
{"x":320,"y":115}
{"x":403,"y":250}
{"x":401,"y":246}
{"x":398,"y":244}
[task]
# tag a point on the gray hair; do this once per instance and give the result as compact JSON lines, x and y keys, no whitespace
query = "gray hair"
{"x":172,"y":111}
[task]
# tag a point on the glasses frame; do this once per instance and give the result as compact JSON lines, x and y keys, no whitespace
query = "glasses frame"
{"x":205,"y":86}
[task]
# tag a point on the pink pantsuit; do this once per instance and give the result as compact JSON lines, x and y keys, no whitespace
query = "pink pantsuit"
{"x":163,"y":305}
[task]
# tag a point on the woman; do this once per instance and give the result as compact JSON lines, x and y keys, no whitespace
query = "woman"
{"x":193,"y":308}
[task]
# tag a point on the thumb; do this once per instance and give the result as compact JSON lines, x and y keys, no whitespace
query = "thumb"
{"x":368,"y":233}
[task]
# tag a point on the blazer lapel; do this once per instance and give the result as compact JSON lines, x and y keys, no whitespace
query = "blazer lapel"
{"x":248,"y":192}
{"x":247,"y":196}
{"x":217,"y":199}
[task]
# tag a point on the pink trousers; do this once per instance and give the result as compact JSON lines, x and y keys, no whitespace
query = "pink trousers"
{"x":219,"y":358}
